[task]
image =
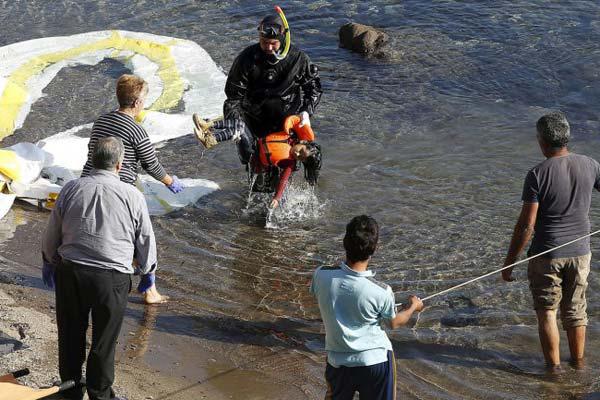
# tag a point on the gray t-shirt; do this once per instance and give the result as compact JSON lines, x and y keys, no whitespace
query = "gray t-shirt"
{"x":563,"y":188}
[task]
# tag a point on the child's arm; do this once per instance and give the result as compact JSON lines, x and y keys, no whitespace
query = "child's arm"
{"x":401,"y":318}
{"x":283,"y":181}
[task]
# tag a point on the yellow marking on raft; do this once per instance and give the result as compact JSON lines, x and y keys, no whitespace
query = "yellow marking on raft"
{"x":141,"y":116}
{"x":168,"y":208}
{"x":9,"y":165}
{"x":15,"y":93}
{"x":165,"y":205}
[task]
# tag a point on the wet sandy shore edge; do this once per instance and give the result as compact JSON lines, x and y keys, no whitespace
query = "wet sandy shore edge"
{"x":162,"y":353}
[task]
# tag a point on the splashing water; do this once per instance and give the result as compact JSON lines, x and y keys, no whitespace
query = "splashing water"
{"x":299,"y":204}
{"x":251,"y":181}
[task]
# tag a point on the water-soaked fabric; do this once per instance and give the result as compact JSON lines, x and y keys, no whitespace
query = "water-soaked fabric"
{"x":263,"y":94}
{"x":561,"y":282}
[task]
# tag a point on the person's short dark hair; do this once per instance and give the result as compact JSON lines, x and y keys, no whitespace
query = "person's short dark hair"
{"x":554,"y":129}
{"x":108,"y":152}
{"x":362,"y":235}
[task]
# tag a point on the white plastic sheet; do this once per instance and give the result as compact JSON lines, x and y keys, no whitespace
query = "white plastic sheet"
{"x":179,"y":72}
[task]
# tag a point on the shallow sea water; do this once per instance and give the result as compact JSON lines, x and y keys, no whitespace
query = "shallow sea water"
{"x":434,"y":142}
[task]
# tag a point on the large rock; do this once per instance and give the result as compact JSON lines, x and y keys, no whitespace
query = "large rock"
{"x":362,"y":39}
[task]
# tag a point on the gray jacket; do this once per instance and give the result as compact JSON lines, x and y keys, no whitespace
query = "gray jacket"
{"x":101,"y":222}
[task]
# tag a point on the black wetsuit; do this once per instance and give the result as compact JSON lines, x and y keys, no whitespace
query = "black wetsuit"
{"x":262,"y":94}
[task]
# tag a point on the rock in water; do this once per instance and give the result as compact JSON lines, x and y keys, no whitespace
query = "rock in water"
{"x":362,"y":39}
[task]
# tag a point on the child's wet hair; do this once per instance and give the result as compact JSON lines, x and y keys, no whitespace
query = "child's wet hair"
{"x":312,"y":164}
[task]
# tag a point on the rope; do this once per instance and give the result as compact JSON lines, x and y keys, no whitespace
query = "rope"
{"x":503,"y":268}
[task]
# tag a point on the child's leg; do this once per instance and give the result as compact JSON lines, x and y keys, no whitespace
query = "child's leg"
{"x":212,"y":132}
{"x":228,"y":129}
{"x":223,"y":130}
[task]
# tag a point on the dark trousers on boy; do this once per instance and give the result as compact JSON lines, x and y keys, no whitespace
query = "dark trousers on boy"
{"x":81,"y":290}
{"x":373,"y":382}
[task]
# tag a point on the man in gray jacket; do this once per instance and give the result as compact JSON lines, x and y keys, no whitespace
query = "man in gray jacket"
{"x":97,"y":228}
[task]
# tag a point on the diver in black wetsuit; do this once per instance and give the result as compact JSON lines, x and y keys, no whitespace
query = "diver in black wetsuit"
{"x":267,"y":82}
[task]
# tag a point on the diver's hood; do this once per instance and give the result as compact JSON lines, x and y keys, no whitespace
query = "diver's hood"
{"x":271,"y":27}
{"x":275,"y":26}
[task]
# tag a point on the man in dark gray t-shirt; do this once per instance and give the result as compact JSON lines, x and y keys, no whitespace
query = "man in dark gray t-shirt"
{"x":562,"y":187}
{"x":556,"y":204}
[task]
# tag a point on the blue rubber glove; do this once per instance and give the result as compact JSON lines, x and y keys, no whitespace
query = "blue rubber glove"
{"x":48,"y":271}
{"x":146,"y":282}
{"x":176,"y":186}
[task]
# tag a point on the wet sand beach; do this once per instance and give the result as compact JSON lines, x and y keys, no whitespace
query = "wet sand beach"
{"x":434,"y":141}
{"x":184,"y":350}
{"x":162,"y":353}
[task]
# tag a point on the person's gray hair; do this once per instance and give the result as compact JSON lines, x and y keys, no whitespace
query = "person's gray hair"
{"x":108,"y":152}
{"x":554,"y":129}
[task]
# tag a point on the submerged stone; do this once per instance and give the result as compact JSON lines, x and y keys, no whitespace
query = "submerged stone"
{"x":362,"y":39}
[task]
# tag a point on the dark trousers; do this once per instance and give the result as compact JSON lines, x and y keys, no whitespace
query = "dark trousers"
{"x":103,"y":292}
{"x":373,"y":382}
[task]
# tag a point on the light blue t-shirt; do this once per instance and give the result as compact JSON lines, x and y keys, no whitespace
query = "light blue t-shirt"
{"x":353,"y":306}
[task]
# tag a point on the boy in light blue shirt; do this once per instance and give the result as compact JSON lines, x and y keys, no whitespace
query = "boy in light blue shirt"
{"x":353,"y":306}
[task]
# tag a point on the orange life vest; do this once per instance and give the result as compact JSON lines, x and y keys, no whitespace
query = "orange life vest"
{"x":276,"y":146}
{"x":273,"y":148}
{"x":292,"y":123}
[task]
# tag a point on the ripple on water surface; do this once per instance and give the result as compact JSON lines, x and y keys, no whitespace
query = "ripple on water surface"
{"x":433,"y":141}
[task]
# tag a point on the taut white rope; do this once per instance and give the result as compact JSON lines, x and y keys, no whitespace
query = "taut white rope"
{"x":506,"y":267}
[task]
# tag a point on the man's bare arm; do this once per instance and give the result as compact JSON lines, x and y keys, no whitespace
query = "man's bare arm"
{"x":521,"y":236}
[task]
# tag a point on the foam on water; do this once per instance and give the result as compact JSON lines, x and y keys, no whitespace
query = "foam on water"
{"x":299,"y":204}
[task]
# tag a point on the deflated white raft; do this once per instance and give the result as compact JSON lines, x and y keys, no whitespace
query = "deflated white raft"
{"x":43,"y":169}
{"x":6,"y":202}
{"x":180,"y":75}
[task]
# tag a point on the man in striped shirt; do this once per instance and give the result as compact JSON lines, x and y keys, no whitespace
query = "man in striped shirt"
{"x":131,"y":94}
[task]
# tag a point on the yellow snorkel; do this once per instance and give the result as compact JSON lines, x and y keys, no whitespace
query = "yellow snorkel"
{"x":288,"y":40}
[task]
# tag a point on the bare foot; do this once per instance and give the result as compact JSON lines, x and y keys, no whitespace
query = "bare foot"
{"x":578,"y":364}
{"x":151,"y":296}
{"x":554,"y":370}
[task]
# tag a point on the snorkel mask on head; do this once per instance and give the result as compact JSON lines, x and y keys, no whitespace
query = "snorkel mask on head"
{"x":276,"y":27}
